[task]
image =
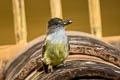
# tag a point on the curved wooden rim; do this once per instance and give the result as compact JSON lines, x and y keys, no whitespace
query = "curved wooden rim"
{"x":81,"y":68}
{"x":33,"y":49}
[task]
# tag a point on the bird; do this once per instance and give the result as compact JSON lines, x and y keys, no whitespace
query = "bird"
{"x":56,"y":44}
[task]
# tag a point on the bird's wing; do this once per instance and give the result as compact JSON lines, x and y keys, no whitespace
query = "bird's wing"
{"x":68,"y":44}
{"x":43,"y":48}
{"x":45,"y":67}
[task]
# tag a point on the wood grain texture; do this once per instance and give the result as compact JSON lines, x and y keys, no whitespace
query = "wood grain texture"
{"x":7,"y":52}
{"x":80,"y":43}
{"x":81,"y":69}
{"x":19,"y":21}
{"x":56,"y":8}
{"x":95,"y":17}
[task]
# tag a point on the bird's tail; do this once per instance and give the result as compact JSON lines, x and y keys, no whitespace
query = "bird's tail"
{"x":45,"y":68}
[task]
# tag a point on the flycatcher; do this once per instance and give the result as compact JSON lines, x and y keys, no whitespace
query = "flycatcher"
{"x":56,"y":47}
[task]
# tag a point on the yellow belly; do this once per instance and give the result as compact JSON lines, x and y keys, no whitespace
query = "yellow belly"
{"x":55,"y":54}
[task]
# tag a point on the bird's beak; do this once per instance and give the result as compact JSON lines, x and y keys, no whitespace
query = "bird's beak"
{"x":66,"y":22}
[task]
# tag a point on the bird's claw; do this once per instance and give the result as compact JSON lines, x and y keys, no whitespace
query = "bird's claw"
{"x":51,"y":69}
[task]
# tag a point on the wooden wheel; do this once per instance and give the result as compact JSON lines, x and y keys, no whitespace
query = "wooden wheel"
{"x":89,"y":58}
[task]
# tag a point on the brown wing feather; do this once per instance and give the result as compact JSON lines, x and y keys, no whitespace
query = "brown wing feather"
{"x":43,"y":49}
{"x":45,"y":67}
{"x":68,"y":45}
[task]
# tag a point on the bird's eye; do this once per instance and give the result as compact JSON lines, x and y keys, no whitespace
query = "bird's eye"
{"x":56,"y":23}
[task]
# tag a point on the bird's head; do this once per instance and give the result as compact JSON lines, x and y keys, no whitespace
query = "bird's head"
{"x":57,"y":22}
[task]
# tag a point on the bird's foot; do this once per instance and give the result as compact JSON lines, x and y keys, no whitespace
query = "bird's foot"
{"x":51,"y":69}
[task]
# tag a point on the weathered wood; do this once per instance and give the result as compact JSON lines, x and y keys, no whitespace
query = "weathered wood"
{"x":80,"y":44}
{"x":82,"y":69}
{"x":19,"y":21}
{"x":10,"y":50}
{"x":95,"y":17}
{"x":56,"y":9}
{"x":7,"y":53}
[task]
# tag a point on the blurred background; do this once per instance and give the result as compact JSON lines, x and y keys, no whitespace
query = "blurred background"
{"x":87,"y":16}
{"x":38,"y":14}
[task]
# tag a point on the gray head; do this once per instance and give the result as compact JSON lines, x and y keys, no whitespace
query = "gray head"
{"x":56,"y":23}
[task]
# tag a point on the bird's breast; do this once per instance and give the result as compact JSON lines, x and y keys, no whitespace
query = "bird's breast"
{"x":57,"y":37}
{"x":56,"y":53}
{"x":56,"y":48}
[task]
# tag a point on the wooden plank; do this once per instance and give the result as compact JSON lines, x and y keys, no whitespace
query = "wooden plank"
{"x":56,"y":9}
{"x":95,"y":17}
{"x":19,"y":21}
